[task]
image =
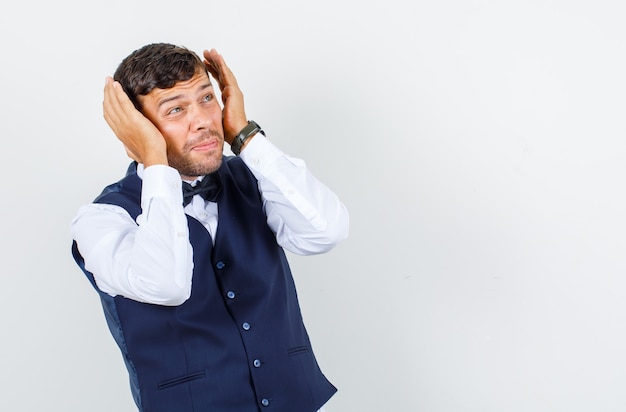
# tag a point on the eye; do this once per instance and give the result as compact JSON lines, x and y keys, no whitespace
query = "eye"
{"x":174,"y":110}
{"x":208,"y":97}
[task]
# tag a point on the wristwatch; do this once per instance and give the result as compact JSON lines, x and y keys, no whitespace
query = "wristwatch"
{"x":247,"y":132}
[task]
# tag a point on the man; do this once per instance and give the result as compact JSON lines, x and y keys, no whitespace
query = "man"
{"x":196,"y":289}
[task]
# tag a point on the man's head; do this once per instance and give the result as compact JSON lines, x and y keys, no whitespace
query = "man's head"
{"x":158,"y":65}
{"x":170,"y":85}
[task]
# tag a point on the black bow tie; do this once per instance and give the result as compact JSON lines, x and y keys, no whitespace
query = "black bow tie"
{"x":209,"y":188}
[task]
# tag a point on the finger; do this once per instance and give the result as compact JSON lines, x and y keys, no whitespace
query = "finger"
{"x":118,"y":106}
{"x":111,"y":114}
{"x":118,"y":109}
{"x":213,"y":67}
{"x":216,"y":76}
{"x":211,"y":57}
{"x":114,"y":100}
{"x":219,"y":69}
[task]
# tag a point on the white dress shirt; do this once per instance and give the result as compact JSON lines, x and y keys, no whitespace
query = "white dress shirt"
{"x":151,"y":260}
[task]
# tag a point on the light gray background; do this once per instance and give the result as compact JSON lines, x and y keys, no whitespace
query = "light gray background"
{"x":479,"y":146}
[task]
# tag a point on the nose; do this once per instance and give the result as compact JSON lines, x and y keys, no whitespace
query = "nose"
{"x":201,"y":118}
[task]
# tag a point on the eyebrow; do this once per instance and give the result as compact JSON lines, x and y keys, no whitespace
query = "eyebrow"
{"x":178,"y":96}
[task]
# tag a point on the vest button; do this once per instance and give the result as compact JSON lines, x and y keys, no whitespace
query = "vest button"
{"x":245,"y":326}
{"x":220,"y":265}
{"x":265,"y":402}
{"x":230,"y":294}
{"x":257,"y":363}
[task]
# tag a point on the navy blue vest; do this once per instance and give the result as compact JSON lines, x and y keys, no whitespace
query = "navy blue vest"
{"x":238,"y":344}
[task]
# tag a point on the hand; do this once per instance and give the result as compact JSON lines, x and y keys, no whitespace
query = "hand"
{"x":141,"y":139}
{"x":233,"y":115}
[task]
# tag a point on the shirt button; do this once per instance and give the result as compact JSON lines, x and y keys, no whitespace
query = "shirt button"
{"x":257,"y":363}
{"x":230,"y":294}
{"x":245,"y":326}
{"x":220,"y":265}
{"x":265,"y":402}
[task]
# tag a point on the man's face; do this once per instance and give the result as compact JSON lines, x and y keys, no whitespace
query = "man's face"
{"x":190,"y":119}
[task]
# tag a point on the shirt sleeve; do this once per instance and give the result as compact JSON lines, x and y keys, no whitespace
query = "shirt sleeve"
{"x":150,"y":260}
{"x":306,"y":216}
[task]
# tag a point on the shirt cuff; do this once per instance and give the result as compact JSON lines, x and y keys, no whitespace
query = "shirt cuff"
{"x":161,"y":181}
{"x":260,"y":154}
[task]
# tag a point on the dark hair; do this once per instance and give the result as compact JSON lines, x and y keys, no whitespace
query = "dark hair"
{"x":157,"y":65}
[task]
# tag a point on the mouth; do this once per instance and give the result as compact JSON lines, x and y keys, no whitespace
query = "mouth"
{"x":205,"y":146}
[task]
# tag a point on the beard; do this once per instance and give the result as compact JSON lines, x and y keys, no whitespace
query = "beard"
{"x":197,"y":164}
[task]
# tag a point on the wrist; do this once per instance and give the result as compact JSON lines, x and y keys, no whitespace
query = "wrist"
{"x":154,"y":158}
{"x":244,"y":136}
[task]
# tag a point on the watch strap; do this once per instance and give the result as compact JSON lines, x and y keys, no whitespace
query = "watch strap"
{"x":247,"y":132}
